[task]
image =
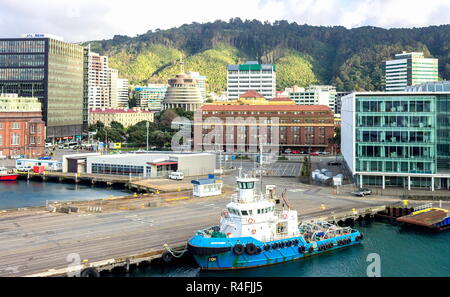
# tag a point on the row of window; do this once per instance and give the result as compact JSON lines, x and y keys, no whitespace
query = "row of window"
{"x":22,"y":46}
{"x":15,"y":139}
{"x":249,"y":212}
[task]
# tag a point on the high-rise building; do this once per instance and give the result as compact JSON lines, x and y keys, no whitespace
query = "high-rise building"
{"x":314,"y":95}
{"x":398,"y":139}
{"x":409,"y":69}
{"x":338,"y":101}
{"x":122,"y":92}
{"x":183,"y":92}
{"x":151,"y":96}
{"x":251,"y":76}
{"x":50,"y":69}
{"x":113,"y":85}
{"x":22,"y":130}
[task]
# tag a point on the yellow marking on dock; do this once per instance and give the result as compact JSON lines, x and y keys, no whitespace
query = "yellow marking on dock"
{"x":179,"y":198}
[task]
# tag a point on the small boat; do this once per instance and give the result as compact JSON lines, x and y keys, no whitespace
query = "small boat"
{"x":5,"y":175}
{"x":256,"y":231}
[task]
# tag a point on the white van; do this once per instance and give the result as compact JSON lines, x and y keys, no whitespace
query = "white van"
{"x":176,"y":175}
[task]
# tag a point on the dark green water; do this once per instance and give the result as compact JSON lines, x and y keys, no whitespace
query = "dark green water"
{"x":403,"y":252}
{"x":35,"y":193}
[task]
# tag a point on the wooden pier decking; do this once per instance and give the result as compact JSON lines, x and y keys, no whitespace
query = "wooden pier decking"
{"x":434,"y":218}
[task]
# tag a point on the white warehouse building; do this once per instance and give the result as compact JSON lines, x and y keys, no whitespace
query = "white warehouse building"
{"x":152,"y":164}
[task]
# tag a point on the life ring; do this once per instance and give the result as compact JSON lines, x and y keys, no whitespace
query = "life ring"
{"x":282,"y":244}
{"x":90,"y":272}
{"x":250,"y":248}
{"x":254,"y":231}
{"x":238,"y":249}
{"x":295,"y":242}
{"x":300,"y":250}
{"x":251,"y":221}
{"x":289,"y":243}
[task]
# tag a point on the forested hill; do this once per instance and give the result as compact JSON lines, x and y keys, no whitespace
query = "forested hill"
{"x":351,"y":59}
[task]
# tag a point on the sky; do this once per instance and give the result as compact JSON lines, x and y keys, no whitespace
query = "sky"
{"x":83,"y":20}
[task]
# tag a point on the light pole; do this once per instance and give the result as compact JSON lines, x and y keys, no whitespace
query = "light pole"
{"x":147,"y":124}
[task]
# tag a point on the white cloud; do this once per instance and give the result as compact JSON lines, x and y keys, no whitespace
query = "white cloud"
{"x":81,"y":20}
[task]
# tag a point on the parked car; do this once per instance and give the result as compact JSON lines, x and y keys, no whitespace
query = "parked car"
{"x":176,"y":175}
{"x":296,"y":152}
{"x":314,"y":154}
{"x":45,"y":158}
{"x":334,"y":163}
{"x":362,"y":192}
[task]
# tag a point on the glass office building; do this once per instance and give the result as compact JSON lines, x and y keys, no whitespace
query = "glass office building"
{"x":397,"y":139}
{"x":51,"y":70}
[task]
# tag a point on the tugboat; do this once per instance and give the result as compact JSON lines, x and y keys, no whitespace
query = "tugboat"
{"x":256,"y":231}
{"x":7,"y":176}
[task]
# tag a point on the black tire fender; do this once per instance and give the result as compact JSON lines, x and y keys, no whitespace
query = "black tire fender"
{"x":90,"y":272}
{"x":238,"y":249}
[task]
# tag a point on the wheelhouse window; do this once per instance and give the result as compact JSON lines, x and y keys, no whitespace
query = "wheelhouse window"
{"x":246,"y":185}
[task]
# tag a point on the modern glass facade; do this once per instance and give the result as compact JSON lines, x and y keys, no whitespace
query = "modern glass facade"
{"x":52,"y":71}
{"x":400,"y":139}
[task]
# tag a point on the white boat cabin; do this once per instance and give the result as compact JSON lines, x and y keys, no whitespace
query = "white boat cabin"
{"x":255,"y":215}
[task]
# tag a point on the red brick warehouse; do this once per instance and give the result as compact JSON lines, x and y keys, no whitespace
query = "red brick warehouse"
{"x":301,"y":127}
{"x":22,"y":130}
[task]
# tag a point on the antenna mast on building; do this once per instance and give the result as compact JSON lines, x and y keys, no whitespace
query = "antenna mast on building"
{"x":181,"y":63}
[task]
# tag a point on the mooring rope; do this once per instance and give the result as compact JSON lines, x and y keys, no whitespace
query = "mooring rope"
{"x":176,"y":254}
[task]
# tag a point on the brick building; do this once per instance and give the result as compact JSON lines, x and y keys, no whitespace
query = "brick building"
{"x":301,"y":127}
{"x":22,"y":130}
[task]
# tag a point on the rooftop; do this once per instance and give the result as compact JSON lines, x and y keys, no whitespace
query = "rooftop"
{"x":118,"y":110}
{"x":265,"y":107}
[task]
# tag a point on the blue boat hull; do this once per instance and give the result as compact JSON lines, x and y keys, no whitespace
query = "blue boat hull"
{"x":218,"y":254}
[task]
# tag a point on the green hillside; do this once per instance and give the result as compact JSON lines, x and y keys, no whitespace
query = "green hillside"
{"x":351,"y":59}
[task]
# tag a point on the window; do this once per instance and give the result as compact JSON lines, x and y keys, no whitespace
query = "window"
{"x":244,"y":213}
{"x":15,"y":139}
{"x":1,"y":139}
{"x":32,"y":140}
{"x":15,"y":126}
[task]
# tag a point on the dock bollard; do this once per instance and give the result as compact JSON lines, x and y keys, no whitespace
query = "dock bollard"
{"x":322,"y":206}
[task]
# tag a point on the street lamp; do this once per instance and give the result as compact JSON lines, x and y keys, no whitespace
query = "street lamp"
{"x":147,"y":124}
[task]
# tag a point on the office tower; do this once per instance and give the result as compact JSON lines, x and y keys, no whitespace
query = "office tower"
{"x":151,"y":96}
{"x":409,"y":69}
{"x":251,"y":76}
{"x":397,"y":139}
{"x":314,"y":95}
{"x":122,"y":92}
{"x":46,"y":67}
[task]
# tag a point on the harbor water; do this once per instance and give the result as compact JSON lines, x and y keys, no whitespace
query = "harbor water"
{"x":21,"y":193}
{"x":402,"y":253}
